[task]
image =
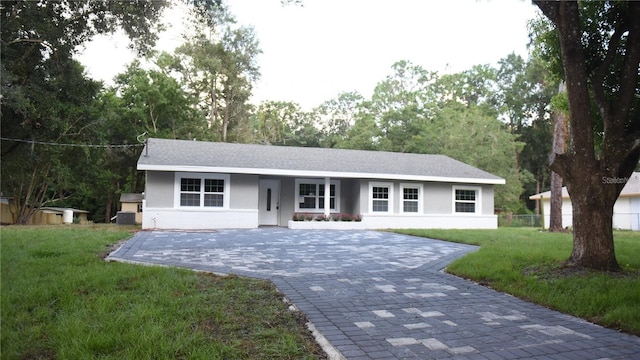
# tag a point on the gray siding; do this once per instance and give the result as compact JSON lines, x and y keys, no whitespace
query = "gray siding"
{"x":357,"y":197}
{"x":287,"y":199}
{"x":159,"y":189}
{"x":350,"y":196}
{"x":487,"y":200}
{"x":364,"y":196}
{"x":438,"y":198}
{"x":243,"y":191}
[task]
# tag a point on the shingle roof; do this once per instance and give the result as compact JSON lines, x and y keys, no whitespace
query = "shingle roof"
{"x":184,"y":155}
{"x":131,"y":197}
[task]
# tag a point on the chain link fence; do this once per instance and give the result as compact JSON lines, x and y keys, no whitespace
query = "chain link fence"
{"x":621,"y":221}
{"x":528,"y":220}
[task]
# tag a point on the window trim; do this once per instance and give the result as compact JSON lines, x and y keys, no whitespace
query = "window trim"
{"x":317,"y":182}
{"x":477,"y":202}
{"x":202,"y":176}
{"x":389,"y":185}
{"x":419,"y":201}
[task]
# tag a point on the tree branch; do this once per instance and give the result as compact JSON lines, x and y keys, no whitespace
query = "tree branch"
{"x":559,"y":163}
{"x":600,"y":74}
{"x":630,"y":65}
{"x":549,"y":8}
{"x":17,"y":41}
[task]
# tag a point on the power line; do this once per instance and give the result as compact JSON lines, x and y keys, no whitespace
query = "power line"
{"x":71,"y":145}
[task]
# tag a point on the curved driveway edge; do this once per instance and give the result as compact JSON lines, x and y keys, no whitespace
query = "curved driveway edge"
{"x":378,"y":295}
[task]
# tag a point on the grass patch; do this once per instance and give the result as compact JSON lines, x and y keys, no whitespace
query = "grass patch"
{"x":528,"y":263}
{"x":60,"y":299}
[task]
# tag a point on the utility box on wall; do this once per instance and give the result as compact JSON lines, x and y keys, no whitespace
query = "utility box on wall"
{"x":126,"y":218}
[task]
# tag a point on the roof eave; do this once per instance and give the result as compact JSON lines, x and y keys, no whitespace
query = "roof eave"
{"x":321,"y":174}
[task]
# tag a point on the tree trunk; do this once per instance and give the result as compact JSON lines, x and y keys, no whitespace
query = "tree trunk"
{"x":555,"y":210}
{"x":559,"y":146}
{"x":593,"y":245}
{"x":586,"y":172}
{"x":537,"y":192}
{"x":107,"y":208}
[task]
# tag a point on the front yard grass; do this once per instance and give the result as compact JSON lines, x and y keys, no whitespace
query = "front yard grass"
{"x":528,"y":263}
{"x":60,"y":299}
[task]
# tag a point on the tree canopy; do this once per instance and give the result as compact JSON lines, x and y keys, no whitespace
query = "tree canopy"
{"x":495,"y":117}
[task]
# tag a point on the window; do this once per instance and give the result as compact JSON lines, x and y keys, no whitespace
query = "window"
{"x":202,"y":190}
{"x":466,"y":200}
{"x":189,"y":192}
{"x":381,"y":198}
{"x":311,"y":195}
{"x":411,"y":198}
{"x":213,"y":192}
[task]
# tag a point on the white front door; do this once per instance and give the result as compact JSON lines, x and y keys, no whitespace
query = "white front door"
{"x":269,"y":202}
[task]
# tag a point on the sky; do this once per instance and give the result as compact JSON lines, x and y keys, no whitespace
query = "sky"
{"x":312,"y":53}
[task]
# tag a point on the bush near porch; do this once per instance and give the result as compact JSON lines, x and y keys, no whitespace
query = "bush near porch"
{"x":323,"y":217}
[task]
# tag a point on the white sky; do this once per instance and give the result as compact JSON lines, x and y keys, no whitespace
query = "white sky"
{"x":314,"y":52}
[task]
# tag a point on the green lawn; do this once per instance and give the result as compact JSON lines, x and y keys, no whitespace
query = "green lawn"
{"x":527,"y":263}
{"x":60,"y":299}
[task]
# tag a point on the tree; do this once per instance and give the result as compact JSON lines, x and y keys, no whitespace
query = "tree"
{"x":46,"y":97}
{"x":559,"y":146}
{"x":275,"y":121}
{"x":599,"y":44}
{"x":414,"y":110}
{"x":338,"y":115}
{"x":401,"y":104}
{"x":471,"y":135}
{"x":152,"y":101}
{"x":218,"y":63}
{"x":467,"y":126}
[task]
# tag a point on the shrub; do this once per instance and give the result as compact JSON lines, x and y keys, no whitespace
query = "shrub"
{"x":301,"y":217}
{"x":322,"y":217}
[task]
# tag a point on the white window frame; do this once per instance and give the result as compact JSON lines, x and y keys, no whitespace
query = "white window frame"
{"x":317,"y":182}
{"x":390,"y":200}
{"x":202,"y":176}
{"x":419,"y":201}
{"x":477,"y":202}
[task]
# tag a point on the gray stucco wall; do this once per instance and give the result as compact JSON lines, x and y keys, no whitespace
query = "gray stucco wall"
{"x":349,"y":196}
{"x":159,"y":189}
{"x":487,"y":199}
{"x":354,"y":194}
{"x":287,"y":204}
{"x":243,"y":191}
{"x":438,"y":198}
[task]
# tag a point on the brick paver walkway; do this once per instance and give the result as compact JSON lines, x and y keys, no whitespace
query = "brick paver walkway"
{"x":377,"y":295}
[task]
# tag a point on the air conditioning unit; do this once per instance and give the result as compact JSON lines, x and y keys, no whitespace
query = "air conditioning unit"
{"x":126,"y":218}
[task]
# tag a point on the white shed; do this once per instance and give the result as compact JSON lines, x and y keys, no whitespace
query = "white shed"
{"x":626,"y":211}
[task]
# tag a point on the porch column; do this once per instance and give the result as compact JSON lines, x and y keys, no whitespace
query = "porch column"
{"x":327,"y":197}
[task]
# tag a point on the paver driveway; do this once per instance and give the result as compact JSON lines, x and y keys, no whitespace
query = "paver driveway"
{"x":377,"y":295}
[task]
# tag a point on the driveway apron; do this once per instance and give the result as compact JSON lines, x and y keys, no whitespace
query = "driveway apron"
{"x":379,"y":295}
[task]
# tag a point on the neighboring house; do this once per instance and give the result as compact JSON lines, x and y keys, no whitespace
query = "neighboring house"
{"x":130,"y":202}
{"x":6,"y":210}
{"x":43,"y":215}
{"x":626,"y":211}
{"x":207,"y":185}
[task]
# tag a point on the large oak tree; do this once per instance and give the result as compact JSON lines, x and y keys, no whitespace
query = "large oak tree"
{"x":600,"y":52}
{"x":45,"y":95}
